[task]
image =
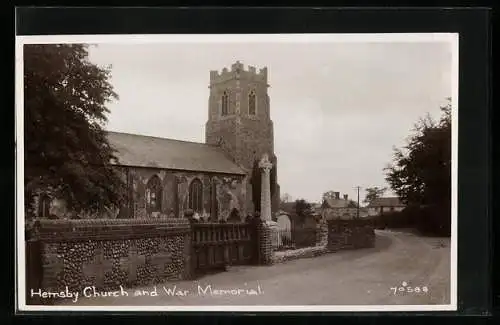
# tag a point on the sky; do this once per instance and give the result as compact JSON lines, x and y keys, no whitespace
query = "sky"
{"x":338,"y":108}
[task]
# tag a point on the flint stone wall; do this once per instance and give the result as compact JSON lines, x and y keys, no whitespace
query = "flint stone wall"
{"x":109,"y":253}
{"x":321,"y":234}
{"x":265,"y":244}
{"x":331,"y":237}
{"x":350,"y":234}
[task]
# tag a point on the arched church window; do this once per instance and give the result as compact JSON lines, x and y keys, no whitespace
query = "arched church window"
{"x":44,"y":206}
{"x":251,"y":103}
{"x":154,"y":193}
{"x":196,"y":196}
{"x":225,"y":104}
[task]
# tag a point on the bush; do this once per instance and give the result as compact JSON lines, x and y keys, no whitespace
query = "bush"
{"x":435,"y":221}
{"x":431,"y":221}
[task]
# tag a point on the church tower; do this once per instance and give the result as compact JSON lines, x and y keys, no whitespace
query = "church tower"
{"x":239,"y":120}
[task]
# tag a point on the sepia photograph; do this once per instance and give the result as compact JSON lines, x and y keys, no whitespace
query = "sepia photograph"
{"x":290,"y":172}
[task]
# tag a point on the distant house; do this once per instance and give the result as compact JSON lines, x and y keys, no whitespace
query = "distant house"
{"x":341,"y":208}
{"x":384,"y":205}
{"x":336,"y":202}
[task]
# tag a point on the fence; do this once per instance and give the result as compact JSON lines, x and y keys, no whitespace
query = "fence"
{"x":215,"y":245}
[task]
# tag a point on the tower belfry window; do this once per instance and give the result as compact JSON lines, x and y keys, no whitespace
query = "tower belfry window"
{"x":251,"y":103}
{"x":225,"y":104}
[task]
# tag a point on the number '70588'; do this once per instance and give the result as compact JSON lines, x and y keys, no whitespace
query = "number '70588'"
{"x":404,"y":288}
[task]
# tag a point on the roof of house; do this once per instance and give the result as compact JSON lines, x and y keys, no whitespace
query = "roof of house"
{"x":147,"y":151}
{"x":336,"y":203}
{"x":386,"y":202}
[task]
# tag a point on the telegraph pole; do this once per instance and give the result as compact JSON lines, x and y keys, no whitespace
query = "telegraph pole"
{"x":357,"y":212}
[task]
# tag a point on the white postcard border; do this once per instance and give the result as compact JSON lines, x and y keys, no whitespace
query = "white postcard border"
{"x":228,"y":38}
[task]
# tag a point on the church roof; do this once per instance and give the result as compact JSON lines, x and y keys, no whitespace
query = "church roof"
{"x":147,"y":151}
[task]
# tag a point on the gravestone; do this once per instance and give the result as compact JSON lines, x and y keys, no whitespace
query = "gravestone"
{"x":275,"y":233}
{"x":284,"y":227}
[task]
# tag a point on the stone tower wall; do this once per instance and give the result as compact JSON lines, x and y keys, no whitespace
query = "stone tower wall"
{"x":244,"y":137}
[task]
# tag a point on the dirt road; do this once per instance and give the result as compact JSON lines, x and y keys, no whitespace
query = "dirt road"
{"x":362,"y":277}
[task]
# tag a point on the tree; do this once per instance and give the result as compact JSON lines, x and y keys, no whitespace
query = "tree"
{"x":373,"y":193}
{"x":303,"y":209}
{"x":352,"y":204}
{"x":421,"y":171}
{"x":66,"y":149}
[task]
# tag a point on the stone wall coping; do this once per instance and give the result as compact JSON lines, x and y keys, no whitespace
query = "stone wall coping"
{"x":105,"y":222}
{"x":220,"y":225}
{"x":107,"y":229}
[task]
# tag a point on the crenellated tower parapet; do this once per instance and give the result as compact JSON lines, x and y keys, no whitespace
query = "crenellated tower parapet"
{"x":238,"y":72}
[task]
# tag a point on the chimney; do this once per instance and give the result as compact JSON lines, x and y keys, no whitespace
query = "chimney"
{"x":345,"y":197}
{"x":337,"y":195}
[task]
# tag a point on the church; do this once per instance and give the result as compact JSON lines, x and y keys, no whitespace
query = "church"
{"x":166,"y":177}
